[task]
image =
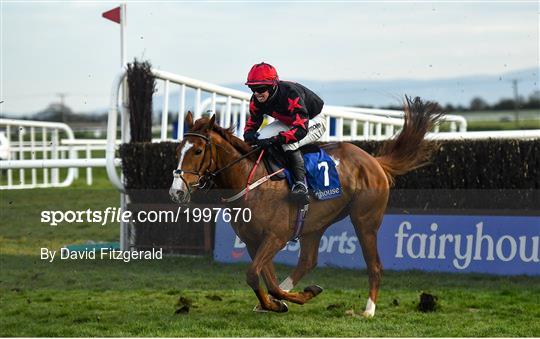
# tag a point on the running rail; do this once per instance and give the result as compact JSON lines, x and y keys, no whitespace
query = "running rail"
{"x":15,"y":153}
{"x":458,"y":123}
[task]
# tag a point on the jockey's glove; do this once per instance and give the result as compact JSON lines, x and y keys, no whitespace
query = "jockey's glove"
{"x":250,"y":137}
{"x":265,"y":143}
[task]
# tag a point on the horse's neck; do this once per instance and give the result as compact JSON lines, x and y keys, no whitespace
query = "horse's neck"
{"x":234,"y":177}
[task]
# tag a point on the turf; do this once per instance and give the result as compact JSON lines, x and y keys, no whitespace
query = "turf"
{"x":112,"y":298}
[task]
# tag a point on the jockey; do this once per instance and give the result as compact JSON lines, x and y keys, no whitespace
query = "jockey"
{"x":298,"y":120}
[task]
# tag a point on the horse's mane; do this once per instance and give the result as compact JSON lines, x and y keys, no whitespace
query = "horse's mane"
{"x":201,"y":125}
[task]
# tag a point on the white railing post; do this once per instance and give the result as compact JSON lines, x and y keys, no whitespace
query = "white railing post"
{"x":389,"y":131}
{"x":378,"y":131}
{"x":366,"y":130}
{"x":54,"y":155}
{"x":339,"y":129}
{"x":165,"y":112}
{"x":21,"y":131}
{"x":197,"y":114}
{"x":181,"y":112}
{"x":243,"y":117}
{"x":9,"y":171}
{"x":44,"y":152}
{"x":354,"y":126}
{"x":33,"y":153}
{"x":228,"y":112}
{"x":88,"y":169}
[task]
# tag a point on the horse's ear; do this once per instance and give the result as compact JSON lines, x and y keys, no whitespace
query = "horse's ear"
{"x":212,"y":121}
{"x":189,"y":119}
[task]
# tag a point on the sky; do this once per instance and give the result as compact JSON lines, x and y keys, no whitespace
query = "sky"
{"x":49,"y":48}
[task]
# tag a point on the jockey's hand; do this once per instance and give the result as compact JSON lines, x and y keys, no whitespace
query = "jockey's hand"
{"x":265,"y":143}
{"x":251,"y":137}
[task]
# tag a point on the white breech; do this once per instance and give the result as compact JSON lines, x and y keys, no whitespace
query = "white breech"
{"x":316,"y":128}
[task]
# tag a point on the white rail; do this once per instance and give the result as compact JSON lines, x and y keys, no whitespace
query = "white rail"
{"x":44,"y":155}
{"x":458,"y":123}
{"x":43,"y":140}
{"x":232,"y":106}
{"x":51,"y":163}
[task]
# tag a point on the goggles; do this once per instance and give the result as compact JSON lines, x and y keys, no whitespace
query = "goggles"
{"x":259,"y":89}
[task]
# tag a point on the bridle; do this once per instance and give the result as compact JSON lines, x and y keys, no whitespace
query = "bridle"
{"x":206,"y":180}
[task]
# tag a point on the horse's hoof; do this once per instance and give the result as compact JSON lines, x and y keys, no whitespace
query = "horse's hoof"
{"x":367,"y":314}
{"x":314,"y":289}
{"x":259,"y":309}
{"x":282,"y":306}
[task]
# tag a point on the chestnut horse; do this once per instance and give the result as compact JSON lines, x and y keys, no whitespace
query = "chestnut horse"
{"x":209,"y":151}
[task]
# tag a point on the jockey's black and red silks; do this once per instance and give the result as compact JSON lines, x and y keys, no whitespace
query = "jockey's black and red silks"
{"x":292,"y":104}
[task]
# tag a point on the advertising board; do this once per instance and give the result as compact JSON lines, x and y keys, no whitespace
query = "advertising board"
{"x":505,"y":245}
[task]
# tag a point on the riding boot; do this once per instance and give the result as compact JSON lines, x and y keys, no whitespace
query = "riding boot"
{"x":298,"y":171}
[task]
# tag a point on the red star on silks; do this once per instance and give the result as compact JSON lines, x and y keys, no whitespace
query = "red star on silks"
{"x":252,"y":107}
{"x":293,"y":103}
{"x":289,"y":135}
{"x":298,"y":121}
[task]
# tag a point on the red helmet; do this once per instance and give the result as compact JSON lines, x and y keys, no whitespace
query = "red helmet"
{"x":262,"y":74}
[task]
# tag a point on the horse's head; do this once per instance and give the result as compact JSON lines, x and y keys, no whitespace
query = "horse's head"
{"x":196,"y":154}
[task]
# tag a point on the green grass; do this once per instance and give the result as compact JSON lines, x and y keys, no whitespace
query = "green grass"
{"x":111,"y":298}
{"x":498,"y":120}
{"x":502,"y":125}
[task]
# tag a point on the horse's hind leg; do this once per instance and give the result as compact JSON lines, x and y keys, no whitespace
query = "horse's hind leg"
{"x":309,"y":251}
{"x":366,"y":224}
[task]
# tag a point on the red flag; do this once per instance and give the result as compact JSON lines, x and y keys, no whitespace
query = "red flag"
{"x":113,"y":15}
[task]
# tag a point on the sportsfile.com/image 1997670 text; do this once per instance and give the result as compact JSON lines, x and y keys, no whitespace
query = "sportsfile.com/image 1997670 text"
{"x":114,"y":215}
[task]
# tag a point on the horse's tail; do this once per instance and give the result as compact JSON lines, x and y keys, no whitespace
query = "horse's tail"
{"x":409,"y":150}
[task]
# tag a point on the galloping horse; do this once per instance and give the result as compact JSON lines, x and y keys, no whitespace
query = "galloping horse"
{"x":212,"y":153}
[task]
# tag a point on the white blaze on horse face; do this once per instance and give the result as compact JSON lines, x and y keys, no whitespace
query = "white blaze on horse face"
{"x":178,"y":184}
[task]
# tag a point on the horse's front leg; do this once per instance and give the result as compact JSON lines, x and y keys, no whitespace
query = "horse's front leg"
{"x":278,"y":292}
{"x":264,"y":255}
{"x":309,"y":246}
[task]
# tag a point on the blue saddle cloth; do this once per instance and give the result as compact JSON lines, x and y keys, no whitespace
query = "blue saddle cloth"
{"x":321,"y":174}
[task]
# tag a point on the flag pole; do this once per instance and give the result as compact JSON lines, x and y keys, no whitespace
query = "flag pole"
{"x":123,"y":48}
{"x":124,"y":125}
{"x":118,"y":15}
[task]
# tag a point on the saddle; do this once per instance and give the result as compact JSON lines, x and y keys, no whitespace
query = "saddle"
{"x":314,"y":156}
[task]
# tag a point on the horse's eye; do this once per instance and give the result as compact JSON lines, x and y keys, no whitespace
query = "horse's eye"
{"x":198,"y":151}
